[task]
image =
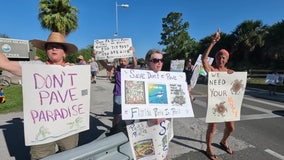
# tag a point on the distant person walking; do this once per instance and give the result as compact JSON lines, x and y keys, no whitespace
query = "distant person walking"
{"x":94,"y":70}
{"x":188,"y":70}
{"x":117,"y":123}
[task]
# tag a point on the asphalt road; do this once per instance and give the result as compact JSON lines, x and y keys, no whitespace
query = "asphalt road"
{"x":259,"y":134}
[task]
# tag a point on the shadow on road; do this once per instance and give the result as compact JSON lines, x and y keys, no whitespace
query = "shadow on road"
{"x":279,"y":112}
{"x":13,"y":133}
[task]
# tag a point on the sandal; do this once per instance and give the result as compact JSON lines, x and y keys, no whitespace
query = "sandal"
{"x":212,"y":156}
{"x":226,"y":148}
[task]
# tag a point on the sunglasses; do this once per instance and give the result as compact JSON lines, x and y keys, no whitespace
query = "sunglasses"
{"x":155,"y":60}
{"x":52,"y":46}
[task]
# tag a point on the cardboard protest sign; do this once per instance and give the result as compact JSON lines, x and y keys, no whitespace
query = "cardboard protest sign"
{"x":149,"y":141}
{"x":146,"y":94}
{"x":112,"y":48}
{"x":177,"y":65}
{"x":198,"y":69}
{"x":225,"y":96}
{"x":56,"y":101}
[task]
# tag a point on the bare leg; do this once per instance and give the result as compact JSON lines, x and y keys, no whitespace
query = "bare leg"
{"x":229,"y":128}
{"x":209,"y":139}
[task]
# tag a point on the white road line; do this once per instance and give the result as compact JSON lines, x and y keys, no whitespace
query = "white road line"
{"x":264,"y":102}
{"x":258,"y":116}
{"x":257,"y":108}
{"x":277,"y":155}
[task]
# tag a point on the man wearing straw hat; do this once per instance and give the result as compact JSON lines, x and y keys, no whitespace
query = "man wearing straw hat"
{"x":56,"y":48}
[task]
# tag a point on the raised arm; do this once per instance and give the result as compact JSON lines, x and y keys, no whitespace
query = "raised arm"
{"x":102,"y":62}
{"x":134,"y":61}
{"x":204,"y":58}
{"x":10,"y":66}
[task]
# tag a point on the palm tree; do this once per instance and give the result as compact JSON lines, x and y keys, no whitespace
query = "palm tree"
{"x":58,"y":16}
{"x":249,"y":35}
{"x":274,"y":46}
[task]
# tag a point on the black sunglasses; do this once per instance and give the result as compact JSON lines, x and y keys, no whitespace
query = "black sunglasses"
{"x":155,"y":60}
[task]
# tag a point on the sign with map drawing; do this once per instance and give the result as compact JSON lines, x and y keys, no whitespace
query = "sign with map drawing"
{"x":56,"y":101}
{"x":146,"y":95}
{"x":225,"y":96}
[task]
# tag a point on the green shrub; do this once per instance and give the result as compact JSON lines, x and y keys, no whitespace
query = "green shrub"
{"x":14,"y":99}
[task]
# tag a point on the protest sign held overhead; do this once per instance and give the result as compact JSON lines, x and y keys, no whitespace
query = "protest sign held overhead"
{"x":113,"y":48}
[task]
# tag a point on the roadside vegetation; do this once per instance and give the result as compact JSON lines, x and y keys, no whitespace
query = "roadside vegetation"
{"x":14,"y":99}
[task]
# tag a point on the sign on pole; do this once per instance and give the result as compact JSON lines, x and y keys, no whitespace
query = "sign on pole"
{"x":56,"y":101}
{"x":225,"y":96}
{"x":14,"y":48}
{"x":113,"y":48}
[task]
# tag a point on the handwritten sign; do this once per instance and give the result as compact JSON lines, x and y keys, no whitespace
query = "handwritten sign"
{"x":56,"y":101}
{"x":113,"y":48}
{"x":198,"y":69}
{"x":225,"y":96}
{"x":149,"y":141}
{"x":177,"y":65}
{"x":146,"y":95}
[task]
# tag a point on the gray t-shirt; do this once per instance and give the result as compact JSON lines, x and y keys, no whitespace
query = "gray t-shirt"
{"x":94,"y":66}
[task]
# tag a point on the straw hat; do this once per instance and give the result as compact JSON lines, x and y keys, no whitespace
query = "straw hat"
{"x":80,"y":57}
{"x":36,"y":57}
{"x":55,"y":37}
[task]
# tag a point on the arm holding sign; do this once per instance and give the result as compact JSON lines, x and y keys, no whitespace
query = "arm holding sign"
{"x":56,"y":49}
{"x":134,"y":61}
{"x":10,"y":66}
{"x":221,"y":57}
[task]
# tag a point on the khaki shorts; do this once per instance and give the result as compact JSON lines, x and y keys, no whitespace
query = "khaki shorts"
{"x":44,"y":150}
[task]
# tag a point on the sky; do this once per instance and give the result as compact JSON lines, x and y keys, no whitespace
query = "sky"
{"x":142,"y":21}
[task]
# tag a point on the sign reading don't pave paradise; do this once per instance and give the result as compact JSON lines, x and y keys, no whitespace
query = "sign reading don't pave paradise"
{"x":56,"y":101}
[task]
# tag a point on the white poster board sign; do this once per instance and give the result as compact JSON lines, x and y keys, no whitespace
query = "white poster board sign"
{"x":225,"y":96}
{"x":56,"y":101}
{"x":198,"y":69}
{"x":113,"y":48}
{"x":177,"y":65}
{"x":147,"y":95}
{"x":149,"y":141}
{"x":272,"y":79}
